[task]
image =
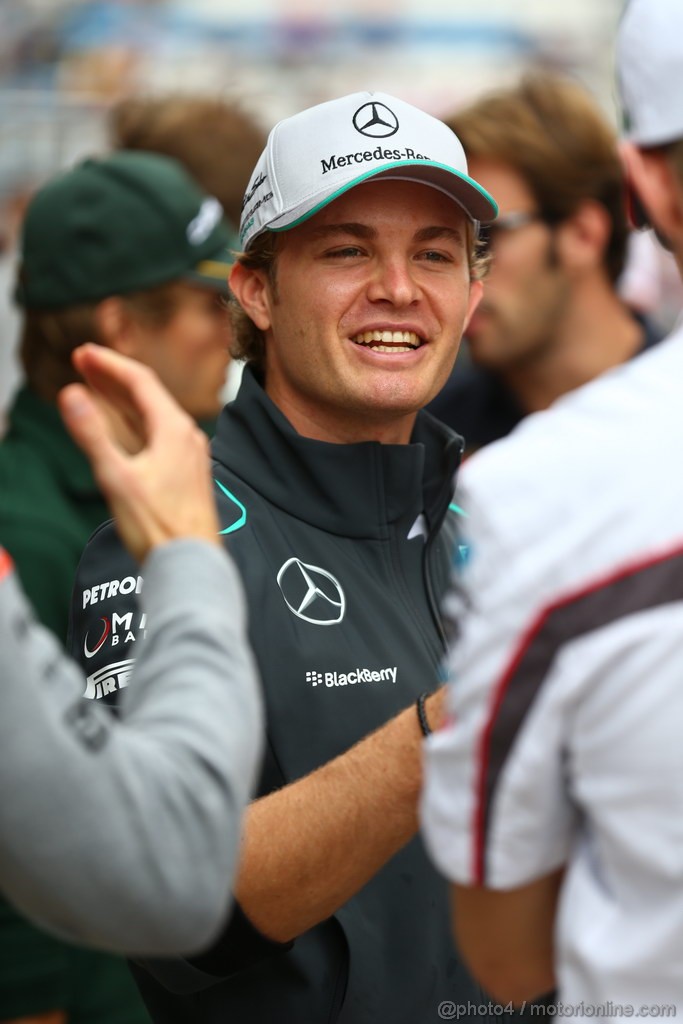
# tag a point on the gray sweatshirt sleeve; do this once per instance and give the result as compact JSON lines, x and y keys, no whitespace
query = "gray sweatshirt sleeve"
{"x":124,"y":834}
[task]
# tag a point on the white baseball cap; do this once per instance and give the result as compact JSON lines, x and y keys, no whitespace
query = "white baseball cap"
{"x":313,"y":157}
{"x":650,"y":70}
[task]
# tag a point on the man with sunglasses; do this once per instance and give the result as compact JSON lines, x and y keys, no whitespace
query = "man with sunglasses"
{"x":553,"y":798}
{"x":551,"y":317}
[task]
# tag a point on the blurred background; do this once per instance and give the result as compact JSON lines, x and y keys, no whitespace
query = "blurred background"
{"x":64,"y":63}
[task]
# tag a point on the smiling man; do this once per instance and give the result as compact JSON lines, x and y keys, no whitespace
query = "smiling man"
{"x":358,"y":275}
{"x":355,"y":357}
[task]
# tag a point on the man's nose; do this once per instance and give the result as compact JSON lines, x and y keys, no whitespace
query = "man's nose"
{"x":393,"y":281}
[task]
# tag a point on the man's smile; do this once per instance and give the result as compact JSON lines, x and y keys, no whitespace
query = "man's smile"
{"x":388,"y":341}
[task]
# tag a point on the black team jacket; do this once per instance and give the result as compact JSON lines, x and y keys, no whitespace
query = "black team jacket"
{"x":345,"y":552}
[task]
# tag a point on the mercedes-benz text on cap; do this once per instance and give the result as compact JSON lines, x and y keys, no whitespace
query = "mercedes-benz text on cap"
{"x":650,"y":70}
{"x":313,"y":157}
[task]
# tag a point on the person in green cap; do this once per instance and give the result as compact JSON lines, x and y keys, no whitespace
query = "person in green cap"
{"x":125,"y":251}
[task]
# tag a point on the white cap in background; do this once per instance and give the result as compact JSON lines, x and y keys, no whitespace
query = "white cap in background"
{"x":650,"y":70}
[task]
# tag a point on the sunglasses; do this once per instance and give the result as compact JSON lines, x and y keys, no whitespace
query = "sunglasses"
{"x":505,"y":224}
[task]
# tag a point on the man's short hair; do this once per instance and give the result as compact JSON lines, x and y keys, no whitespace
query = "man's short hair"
{"x":552,"y":133}
{"x":248,"y":341}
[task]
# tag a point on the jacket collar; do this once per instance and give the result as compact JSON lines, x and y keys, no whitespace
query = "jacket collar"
{"x":352,"y":490}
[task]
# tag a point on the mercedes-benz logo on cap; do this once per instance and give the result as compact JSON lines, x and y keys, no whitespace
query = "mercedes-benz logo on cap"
{"x":375,"y":120}
{"x":311,"y":593}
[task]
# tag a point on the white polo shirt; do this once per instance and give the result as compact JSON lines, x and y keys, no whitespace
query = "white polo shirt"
{"x":566,"y":739}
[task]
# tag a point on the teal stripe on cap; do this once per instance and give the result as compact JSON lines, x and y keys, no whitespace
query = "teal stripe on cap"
{"x":391,"y":167}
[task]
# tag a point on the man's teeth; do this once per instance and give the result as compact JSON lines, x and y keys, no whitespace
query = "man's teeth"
{"x":389,"y":341}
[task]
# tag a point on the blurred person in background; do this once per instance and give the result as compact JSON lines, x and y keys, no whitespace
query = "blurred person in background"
{"x":552,"y":317}
{"x":128,"y":252}
{"x":125,"y":251}
{"x":215,"y":139}
{"x":553,"y":797}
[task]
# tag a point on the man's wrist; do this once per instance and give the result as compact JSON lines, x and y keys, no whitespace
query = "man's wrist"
{"x":435,"y":709}
{"x":422,"y":719}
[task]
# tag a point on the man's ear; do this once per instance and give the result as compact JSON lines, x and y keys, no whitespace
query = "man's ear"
{"x":253,"y":292}
{"x":582,"y":238}
{"x":113,"y":324}
{"x":656,"y":184}
{"x":476,"y":293}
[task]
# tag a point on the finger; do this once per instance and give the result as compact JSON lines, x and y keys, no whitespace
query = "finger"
{"x":133,"y":388}
{"x":86,"y":424}
{"x":98,"y":366}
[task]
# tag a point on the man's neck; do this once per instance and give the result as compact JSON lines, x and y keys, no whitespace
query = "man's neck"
{"x":597,"y":333}
{"x":330,"y":425}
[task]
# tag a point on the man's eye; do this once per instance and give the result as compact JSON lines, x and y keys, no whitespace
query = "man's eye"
{"x":345,"y":252}
{"x":436,"y":256}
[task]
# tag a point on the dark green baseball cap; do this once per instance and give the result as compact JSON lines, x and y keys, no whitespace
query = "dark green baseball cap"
{"x":120,"y":224}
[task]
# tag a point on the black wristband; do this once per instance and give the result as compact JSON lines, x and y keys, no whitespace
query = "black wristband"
{"x":422,"y":714}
